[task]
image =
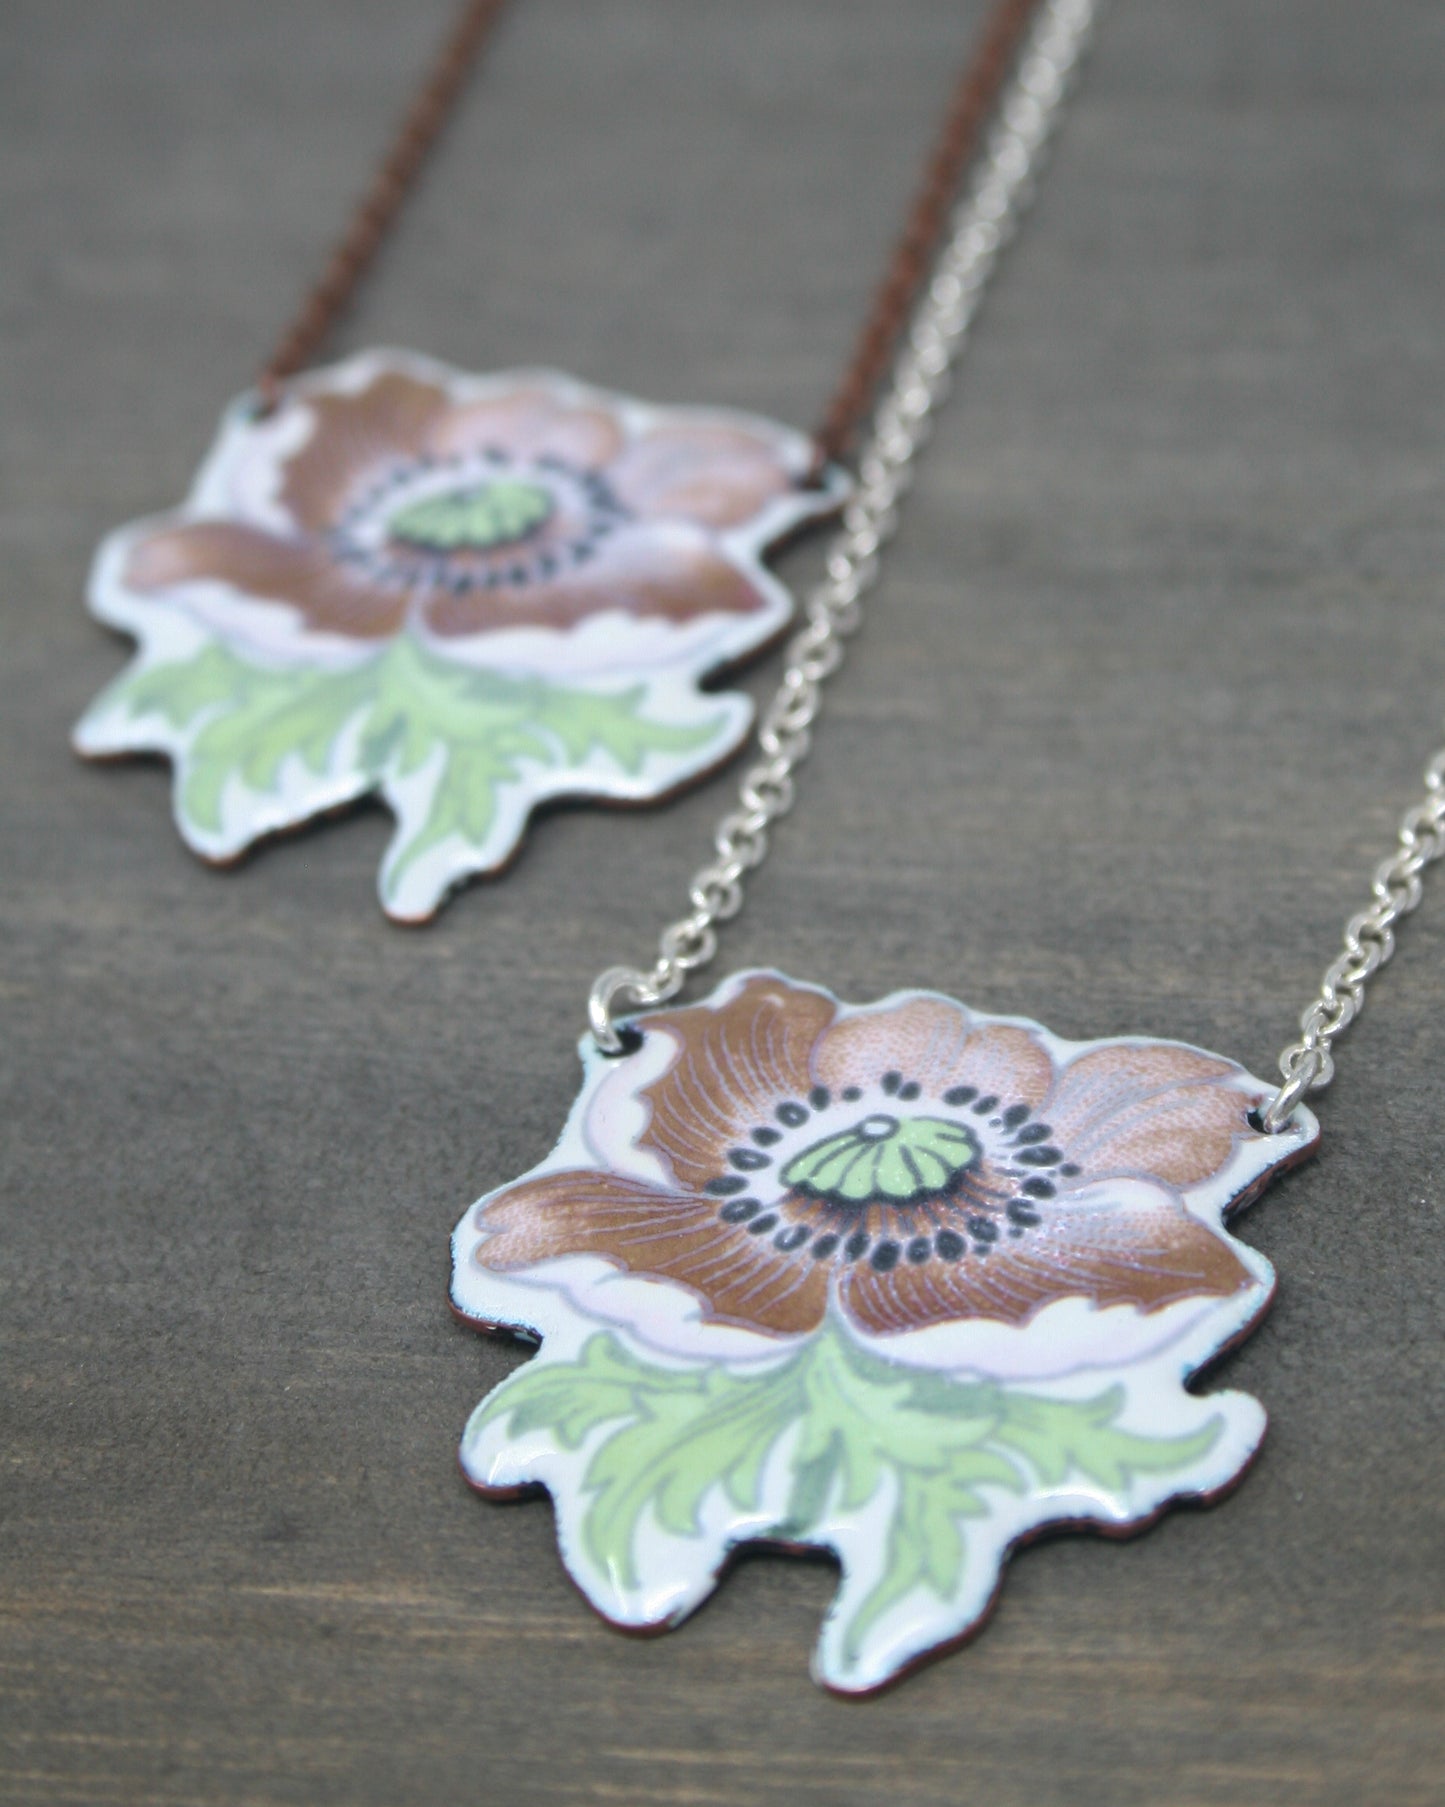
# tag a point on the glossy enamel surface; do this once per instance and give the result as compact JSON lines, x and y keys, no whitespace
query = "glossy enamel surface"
{"x":904,"y":1282}
{"x":465,"y":595}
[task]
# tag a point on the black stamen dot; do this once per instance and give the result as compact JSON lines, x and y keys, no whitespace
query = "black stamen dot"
{"x":793,"y":1238}
{"x":1023,"y":1214}
{"x":950,"y":1244}
{"x":985,"y":1105}
{"x":1069,"y":1169}
{"x":1019,"y":1113}
{"x":791,"y":1114}
{"x":910,"y":1090}
{"x":960,"y":1094}
{"x":748,"y":1160}
{"x":891,"y":1082}
{"x":765,"y":1138}
{"x":851,"y":1094}
{"x":983,"y":1228}
{"x":856,"y":1245}
{"x":919,"y":1249}
{"x":1015,"y":1232}
{"x":1036,"y":1132}
{"x":761,"y":1225}
{"x":820,"y":1097}
{"x":885,"y":1255}
{"x":1047,"y":1156}
{"x":1039,"y":1187}
{"x":739,"y":1210}
{"x":824,"y":1247}
{"x":725,"y":1185}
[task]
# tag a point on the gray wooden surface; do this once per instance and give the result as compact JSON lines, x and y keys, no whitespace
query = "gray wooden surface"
{"x":1153,"y":668}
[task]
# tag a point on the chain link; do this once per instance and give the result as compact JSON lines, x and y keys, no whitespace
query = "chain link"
{"x":982,"y":224}
{"x":1308,"y":1065}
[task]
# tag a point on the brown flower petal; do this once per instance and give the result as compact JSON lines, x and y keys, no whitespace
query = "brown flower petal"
{"x":389,"y":420}
{"x":714,"y":476}
{"x":733,"y":1068}
{"x":1148,"y":1258}
{"x":259,"y":564}
{"x":1017,"y":1228}
{"x":675,"y":579}
{"x":932,"y":1041}
{"x":528,"y":423}
{"x":739,"y":1279}
{"x":1155,"y":1110}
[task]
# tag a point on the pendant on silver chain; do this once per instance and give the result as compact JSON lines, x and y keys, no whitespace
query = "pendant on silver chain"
{"x":904,"y":1282}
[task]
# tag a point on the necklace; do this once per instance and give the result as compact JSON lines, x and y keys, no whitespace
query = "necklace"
{"x":903,"y":1281}
{"x":471,"y":595}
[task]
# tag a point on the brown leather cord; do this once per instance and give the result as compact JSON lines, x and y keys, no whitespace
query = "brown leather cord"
{"x":380,"y":204}
{"x":973,"y":100}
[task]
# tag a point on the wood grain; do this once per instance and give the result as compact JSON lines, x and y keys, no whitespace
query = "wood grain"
{"x":1151,"y":673}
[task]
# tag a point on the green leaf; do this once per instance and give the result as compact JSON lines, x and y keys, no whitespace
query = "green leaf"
{"x":614,"y":724}
{"x":177,"y":692}
{"x":570,"y":1402}
{"x":858,"y":1424}
{"x":409,"y":707}
{"x":268,"y":717}
{"x":678,"y":1432}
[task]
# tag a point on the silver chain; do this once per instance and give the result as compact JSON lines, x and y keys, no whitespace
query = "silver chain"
{"x":982,"y":224}
{"x":1369,"y":940}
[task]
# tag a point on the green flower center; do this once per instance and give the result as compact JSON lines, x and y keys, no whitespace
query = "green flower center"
{"x":883,"y":1157}
{"x":474,"y":519}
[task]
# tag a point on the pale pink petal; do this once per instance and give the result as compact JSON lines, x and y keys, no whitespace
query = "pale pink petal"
{"x":529,"y":424}
{"x":1158,"y":1110}
{"x":717,"y":476}
{"x":937,"y":1044}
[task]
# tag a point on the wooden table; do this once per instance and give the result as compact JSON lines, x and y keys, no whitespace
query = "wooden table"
{"x":1151,"y":673}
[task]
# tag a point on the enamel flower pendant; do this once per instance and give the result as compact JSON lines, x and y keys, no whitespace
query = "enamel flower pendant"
{"x":901,"y":1282}
{"x":464,"y":595}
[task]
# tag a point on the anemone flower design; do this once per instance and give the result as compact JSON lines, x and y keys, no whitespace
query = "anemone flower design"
{"x":466,"y":594}
{"x":903,"y":1281}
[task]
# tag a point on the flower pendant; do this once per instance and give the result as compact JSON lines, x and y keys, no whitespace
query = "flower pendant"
{"x":466,"y":595}
{"x":902,"y":1282}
